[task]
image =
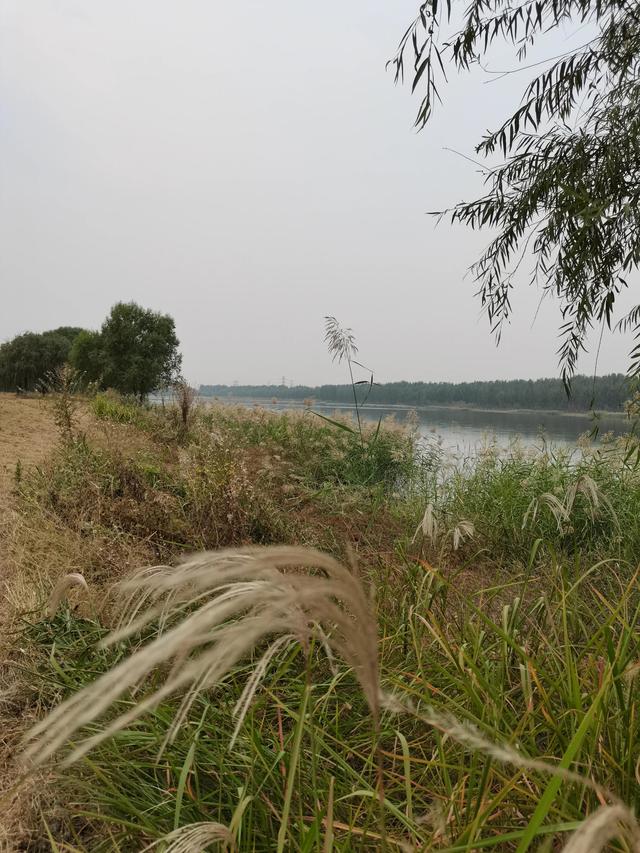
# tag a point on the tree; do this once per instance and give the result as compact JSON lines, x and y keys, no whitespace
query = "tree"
{"x":87,"y":357}
{"x":68,"y":332}
{"x":27,"y":359}
{"x":567,"y":192}
{"x":138,"y":349}
{"x":605,"y":392}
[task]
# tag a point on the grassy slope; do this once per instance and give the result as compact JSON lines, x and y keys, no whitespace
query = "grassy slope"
{"x":513,"y":609}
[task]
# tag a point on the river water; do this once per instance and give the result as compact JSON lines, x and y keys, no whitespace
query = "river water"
{"x":464,"y":430}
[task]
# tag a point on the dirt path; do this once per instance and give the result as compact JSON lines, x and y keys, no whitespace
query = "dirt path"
{"x":27,"y":435}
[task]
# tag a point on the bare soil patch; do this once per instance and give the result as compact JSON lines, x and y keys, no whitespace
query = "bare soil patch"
{"x":27,"y":434}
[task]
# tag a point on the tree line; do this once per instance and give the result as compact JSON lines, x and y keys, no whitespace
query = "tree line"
{"x":135,"y":352}
{"x":28,"y":358}
{"x":605,"y":393}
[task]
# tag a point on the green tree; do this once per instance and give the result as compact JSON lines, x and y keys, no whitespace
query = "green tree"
{"x":86,"y":355}
{"x":601,"y":392}
{"x":68,"y":332}
{"x":139,"y":350}
{"x":27,"y":359}
{"x":567,"y":191}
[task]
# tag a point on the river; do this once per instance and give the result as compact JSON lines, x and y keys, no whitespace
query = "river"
{"x":465,"y":430}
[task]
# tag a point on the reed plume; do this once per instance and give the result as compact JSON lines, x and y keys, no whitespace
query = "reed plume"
{"x":213,"y":610}
{"x":194,"y":838}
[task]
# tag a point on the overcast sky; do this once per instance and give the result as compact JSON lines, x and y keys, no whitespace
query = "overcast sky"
{"x":249,"y":168}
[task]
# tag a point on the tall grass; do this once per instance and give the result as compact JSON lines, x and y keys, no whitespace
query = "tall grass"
{"x":471,"y":685}
{"x":556,"y":681}
{"x":587,"y":504}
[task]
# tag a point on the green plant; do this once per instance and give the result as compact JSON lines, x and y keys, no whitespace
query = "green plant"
{"x":111,"y":406}
{"x":369,"y":455}
{"x":341,"y":343}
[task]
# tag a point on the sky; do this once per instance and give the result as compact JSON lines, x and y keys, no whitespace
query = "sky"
{"x":249,"y":168}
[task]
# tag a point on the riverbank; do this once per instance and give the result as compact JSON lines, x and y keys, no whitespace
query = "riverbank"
{"x":606,"y":393}
{"x":490,"y":605}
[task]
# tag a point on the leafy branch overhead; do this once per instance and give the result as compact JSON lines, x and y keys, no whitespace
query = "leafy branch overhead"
{"x":567,"y":190}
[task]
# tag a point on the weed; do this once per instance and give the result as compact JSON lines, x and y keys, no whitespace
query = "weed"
{"x":185,"y":397}
{"x":65,"y":384}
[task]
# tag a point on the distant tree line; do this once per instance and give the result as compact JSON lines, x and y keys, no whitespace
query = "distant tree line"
{"x":605,"y":393}
{"x":135,"y":352}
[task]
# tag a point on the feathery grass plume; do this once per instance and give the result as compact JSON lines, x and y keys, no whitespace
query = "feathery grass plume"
{"x":461,"y":532}
{"x":194,"y":838}
{"x":216,"y":608}
{"x":593,"y":495}
{"x":557,"y":508}
{"x":605,"y":824}
{"x":428,"y":526}
{"x":341,"y":342}
{"x":561,"y":510}
{"x":60,"y":590}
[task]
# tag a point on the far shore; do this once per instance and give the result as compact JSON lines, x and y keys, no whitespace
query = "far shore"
{"x":403,"y":407}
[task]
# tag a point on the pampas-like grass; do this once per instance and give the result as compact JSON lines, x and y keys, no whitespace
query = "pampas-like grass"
{"x":194,"y":838}
{"x":215,"y":609}
{"x":60,"y":590}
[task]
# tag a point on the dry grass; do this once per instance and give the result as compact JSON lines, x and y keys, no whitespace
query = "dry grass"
{"x":27,"y":435}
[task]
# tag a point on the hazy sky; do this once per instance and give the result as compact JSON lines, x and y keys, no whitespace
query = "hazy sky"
{"x":249,"y":168}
